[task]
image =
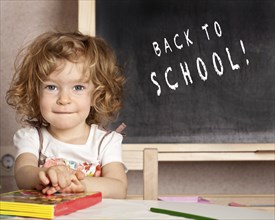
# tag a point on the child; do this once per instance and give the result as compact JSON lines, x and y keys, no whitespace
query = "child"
{"x":66,"y":88}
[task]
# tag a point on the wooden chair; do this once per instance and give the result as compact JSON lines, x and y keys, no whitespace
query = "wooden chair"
{"x":145,"y":157}
{"x":146,"y":160}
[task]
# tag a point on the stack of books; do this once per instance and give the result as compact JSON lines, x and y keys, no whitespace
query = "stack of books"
{"x":32,"y":203}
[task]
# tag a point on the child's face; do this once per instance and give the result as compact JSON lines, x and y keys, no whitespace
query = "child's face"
{"x":65,"y":97}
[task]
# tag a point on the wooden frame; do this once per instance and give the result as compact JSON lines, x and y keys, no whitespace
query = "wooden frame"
{"x":201,"y":152}
{"x":86,"y":17}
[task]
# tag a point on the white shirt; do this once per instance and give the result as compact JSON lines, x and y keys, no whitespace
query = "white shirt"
{"x":26,"y":140}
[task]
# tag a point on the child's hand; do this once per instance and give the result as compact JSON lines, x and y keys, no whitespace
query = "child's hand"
{"x":57,"y":178}
{"x":74,"y":187}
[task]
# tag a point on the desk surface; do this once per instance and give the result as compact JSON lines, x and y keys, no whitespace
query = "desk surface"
{"x":252,"y":201}
{"x":139,"y":209}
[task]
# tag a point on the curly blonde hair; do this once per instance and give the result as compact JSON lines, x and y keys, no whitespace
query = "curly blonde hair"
{"x":39,"y":59}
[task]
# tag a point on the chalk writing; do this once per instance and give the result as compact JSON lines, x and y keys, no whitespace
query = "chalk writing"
{"x":202,"y":69}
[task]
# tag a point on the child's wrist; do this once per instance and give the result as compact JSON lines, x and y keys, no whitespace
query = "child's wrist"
{"x":84,"y":185}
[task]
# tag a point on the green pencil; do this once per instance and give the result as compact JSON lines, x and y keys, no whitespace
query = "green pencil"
{"x":180,"y":214}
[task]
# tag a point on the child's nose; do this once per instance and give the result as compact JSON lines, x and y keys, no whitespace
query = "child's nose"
{"x":64,"y":98}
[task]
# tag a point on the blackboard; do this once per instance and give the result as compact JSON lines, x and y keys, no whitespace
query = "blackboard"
{"x":213,"y":61}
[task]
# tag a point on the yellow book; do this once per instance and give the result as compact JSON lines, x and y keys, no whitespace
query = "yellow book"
{"x":32,"y":203}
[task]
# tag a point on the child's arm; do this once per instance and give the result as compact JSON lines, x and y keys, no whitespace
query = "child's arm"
{"x":28,"y":175}
{"x":26,"y":171}
{"x":112,"y":184}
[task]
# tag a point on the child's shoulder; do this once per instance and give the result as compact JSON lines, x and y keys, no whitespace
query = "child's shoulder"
{"x":26,"y":136}
{"x":26,"y":131}
{"x":102,"y":131}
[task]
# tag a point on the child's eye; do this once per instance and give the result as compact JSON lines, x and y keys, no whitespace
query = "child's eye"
{"x":79,"y":88}
{"x":51,"y":87}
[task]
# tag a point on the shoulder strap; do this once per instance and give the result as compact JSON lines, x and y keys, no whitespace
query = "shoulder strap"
{"x":119,"y":129}
{"x":42,"y":158}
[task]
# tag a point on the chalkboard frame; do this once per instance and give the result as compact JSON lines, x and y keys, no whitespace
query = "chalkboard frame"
{"x":91,"y":30}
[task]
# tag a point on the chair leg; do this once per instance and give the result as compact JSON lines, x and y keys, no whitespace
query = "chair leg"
{"x":150,"y":174}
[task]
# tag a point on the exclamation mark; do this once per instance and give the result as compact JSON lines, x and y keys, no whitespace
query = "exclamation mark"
{"x":241,"y":42}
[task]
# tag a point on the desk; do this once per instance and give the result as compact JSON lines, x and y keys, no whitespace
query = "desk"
{"x":139,"y":209}
{"x":249,"y":200}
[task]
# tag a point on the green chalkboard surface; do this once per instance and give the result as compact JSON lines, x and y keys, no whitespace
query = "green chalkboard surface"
{"x":198,"y":71}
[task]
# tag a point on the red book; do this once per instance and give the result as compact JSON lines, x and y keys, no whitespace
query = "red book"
{"x":32,"y":203}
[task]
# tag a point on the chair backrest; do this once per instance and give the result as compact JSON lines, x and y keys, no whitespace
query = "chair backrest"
{"x":145,"y":159}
